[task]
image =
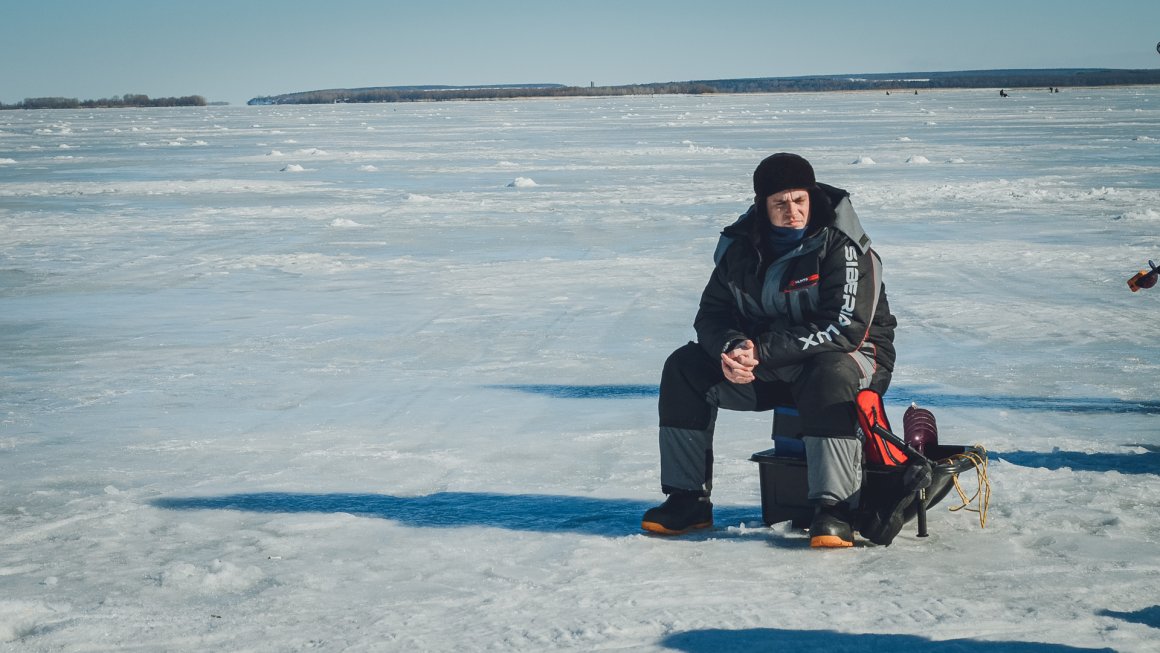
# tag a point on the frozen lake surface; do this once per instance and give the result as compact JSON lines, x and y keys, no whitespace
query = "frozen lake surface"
{"x":383,"y":377}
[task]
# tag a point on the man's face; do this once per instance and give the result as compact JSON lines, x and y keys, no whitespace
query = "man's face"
{"x":789,"y":208}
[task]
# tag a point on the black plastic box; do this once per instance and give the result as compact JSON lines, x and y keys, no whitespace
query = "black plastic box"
{"x":783,"y":488}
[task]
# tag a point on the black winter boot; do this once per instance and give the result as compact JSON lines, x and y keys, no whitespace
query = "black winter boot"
{"x":682,"y":512}
{"x":831,"y":528}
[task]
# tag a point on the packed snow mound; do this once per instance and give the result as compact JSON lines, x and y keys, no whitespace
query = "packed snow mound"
{"x":863,"y":161}
{"x":345,"y":223}
{"x":956,"y":159}
{"x":215,"y":578}
{"x":1144,"y":215}
{"x":918,"y":159}
{"x":522,"y":182}
{"x":368,"y":168}
{"x":4,"y":162}
{"x":293,"y":167}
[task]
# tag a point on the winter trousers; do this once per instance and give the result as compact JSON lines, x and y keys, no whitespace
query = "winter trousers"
{"x":822,"y":389}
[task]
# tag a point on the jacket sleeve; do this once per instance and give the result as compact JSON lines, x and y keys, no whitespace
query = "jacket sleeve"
{"x":849,"y":285}
{"x":718,"y":321}
{"x":882,"y":335}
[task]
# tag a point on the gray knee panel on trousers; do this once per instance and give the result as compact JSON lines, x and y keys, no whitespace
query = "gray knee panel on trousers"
{"x":834,"y":469}
{"x":686,"y":457}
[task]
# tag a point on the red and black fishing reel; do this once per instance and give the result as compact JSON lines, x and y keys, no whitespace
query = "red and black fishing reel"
{"x":1144,"y":278}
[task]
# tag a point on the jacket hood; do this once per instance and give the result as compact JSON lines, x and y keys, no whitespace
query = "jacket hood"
{"x":829,"y":207}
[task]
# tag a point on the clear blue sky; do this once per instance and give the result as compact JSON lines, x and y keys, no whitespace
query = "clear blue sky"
{"x":233,"y":50}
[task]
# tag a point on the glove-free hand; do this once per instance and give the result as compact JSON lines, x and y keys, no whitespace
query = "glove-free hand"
{"x":738,"y":364}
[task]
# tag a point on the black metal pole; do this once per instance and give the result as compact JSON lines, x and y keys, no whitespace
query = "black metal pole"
{"x":921,"y":499}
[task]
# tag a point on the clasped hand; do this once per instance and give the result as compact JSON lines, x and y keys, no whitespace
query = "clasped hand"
{"x":739,"y":363}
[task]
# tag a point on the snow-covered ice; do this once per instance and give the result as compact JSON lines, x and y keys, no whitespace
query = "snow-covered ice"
{"x":386,"y":403}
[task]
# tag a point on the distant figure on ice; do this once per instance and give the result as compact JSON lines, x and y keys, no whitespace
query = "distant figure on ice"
{"x":795,"y":313}
{"x":1002,"y":93}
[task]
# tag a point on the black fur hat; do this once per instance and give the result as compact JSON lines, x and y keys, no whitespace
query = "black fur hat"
{"x":782,"y":171}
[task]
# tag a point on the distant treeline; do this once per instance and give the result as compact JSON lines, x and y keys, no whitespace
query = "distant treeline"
{"x":434,"y":94}
{"x":127,"y":100}
{"x":1048,"y":78}
{"x":1045,"y":78}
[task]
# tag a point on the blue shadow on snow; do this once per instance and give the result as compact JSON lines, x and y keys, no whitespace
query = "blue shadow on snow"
{"x":519,"y":512}
{"x":558,"y":391}
{"x":1147,"y":616}
{"x":897,"y":395}
{"x":758,"y":640}
{"x":1092,"y":405}
{"x":1125,"y":463}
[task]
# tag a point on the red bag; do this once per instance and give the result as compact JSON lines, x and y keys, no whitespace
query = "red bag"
{"x":872,"y":415}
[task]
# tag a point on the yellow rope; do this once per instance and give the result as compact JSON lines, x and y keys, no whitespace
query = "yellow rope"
{"x":983,"y":492}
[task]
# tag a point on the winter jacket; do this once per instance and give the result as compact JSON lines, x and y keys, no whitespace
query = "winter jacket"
{"x":824,"y":295}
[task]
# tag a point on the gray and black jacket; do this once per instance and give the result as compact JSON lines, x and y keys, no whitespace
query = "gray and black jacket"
{"x":824,"y":295}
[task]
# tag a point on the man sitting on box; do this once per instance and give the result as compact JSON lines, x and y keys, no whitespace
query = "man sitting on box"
{"x":795,"y":313}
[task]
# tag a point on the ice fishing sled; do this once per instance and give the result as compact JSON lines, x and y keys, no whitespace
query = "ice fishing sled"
{"x":903,"y":476}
